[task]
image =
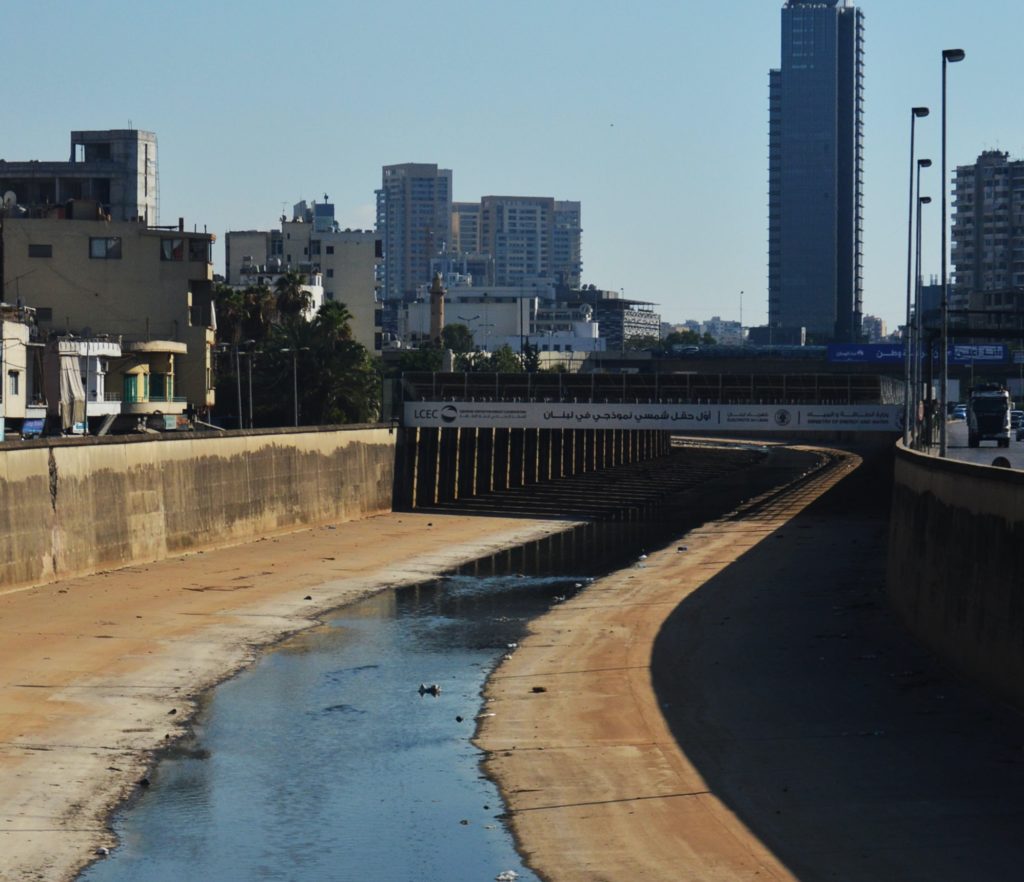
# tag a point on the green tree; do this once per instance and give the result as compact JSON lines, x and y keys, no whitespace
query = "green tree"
{"x":531,"y":358}
{"x":259,"y":308}
{"x":229,"y":306}
{"x":473,"y":362}
{"x":334,"y":376}
{"x":638,"y":343}
{"x":292,"y":300}
{"x":457,"y":337}
{"x":425,"y":359}
{"x":682,"y":338}
{"x":505,"y":361}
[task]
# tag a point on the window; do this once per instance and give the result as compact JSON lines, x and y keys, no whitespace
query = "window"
{"x":40,"y":251}
{"x":199,"y":250}
{"x":105,"y":249}
{"x":330,"y":273}
{"x":13,"y":382}
{"x":330,"y":249}
{"x":172,"y":249}
{"x":158,"y":387}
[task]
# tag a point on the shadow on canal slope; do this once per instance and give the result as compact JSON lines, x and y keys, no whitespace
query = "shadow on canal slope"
{"x":838,"y":741}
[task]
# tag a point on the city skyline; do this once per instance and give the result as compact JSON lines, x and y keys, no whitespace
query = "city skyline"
{"x":656,"y":123}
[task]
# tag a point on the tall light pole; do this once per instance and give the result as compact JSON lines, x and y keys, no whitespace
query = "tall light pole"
{"x":251,"y":344}
{"x":918,"y":320}
{"x":915,"y":368}
{"x":238,"y":385}
{"x":295,"y":375}
{"x":916,"y":113}
{"x":949,"y":56}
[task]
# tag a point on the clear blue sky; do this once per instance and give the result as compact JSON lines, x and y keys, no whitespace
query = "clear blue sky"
{"x":654,"y":114}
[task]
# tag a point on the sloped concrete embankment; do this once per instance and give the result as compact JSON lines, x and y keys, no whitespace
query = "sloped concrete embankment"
{"x":956,"y":565}
{"x":839,"y":743}
{"x":73,"y":507}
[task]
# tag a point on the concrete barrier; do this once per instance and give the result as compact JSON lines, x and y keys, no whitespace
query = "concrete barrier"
{"x":438,"y":466}
{"x":74,"y":506}
{"x":956,"y":565}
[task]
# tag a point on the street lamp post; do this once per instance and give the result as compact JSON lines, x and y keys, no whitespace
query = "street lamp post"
{"x":915,"y":367}
{"x":250,"y":389}
{"x":295,"y":376}
{"x":918,"y":318}
{"x":949,"y":56}
{"x":915,"y":114}
{"x":238,"y":386}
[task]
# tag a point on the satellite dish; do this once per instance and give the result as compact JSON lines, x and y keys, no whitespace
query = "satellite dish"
{"x":10,"y":199}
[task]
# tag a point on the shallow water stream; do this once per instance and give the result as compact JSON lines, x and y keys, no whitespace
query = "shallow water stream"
{"x":324,"y":762}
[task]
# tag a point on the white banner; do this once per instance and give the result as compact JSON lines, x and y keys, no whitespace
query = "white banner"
{"x":683,"y":418}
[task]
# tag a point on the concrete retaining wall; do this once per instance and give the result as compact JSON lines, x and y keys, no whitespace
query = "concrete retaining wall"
{"x":75,"y":506}
{"x":956,"y":565}
{"x":438,"y":466}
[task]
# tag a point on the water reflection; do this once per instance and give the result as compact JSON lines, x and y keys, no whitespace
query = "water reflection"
{"x":325,"y":762}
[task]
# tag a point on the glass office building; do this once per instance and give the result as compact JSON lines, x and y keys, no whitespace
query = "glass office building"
{"x":816,"y":172}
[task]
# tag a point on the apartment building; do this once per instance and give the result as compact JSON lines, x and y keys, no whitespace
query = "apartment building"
{"x":22,"y":405}
{"x":343,"y":262}
{"x":620,"y":318}
{"x":148,"y":287}
{"x":465,"y":228}
{"x":414,"y":224}
{"x":115,"y":168}
{"x":988,"y":232}
{"x":566,"y":244}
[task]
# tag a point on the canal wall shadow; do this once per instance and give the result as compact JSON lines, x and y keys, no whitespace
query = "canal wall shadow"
{"x":647,"y":506}
{"x":638,"y":490}
{"x":840,"y":742}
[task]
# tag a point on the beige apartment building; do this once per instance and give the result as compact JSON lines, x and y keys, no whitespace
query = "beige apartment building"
{"x":150,"y":288}
{"x":311,"y":243}
{"x":21,"y":395}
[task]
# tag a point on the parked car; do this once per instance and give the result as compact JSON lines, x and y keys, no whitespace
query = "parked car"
{"x":1017,"y":423}
{"x":960,"y":412}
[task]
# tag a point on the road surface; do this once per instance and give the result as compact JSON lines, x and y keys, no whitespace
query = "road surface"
{"x":956,"y":447}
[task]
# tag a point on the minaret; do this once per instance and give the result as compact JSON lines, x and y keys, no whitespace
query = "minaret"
{"x":436,"y":309}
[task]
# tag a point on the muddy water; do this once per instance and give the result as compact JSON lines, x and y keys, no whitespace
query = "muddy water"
{"x":324,"y":761}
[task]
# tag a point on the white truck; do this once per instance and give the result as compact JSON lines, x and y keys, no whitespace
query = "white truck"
{"x":988,"y":415}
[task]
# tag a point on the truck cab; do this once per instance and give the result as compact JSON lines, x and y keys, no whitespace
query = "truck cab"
{"x":988,"y":415}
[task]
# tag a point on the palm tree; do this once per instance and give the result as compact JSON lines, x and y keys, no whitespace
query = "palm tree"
{"x":229,"y":307}
{"x":292,"y":299}
{"x":260,"y":306}
{"x":333,"y":321}
{"x":347,"y":388}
